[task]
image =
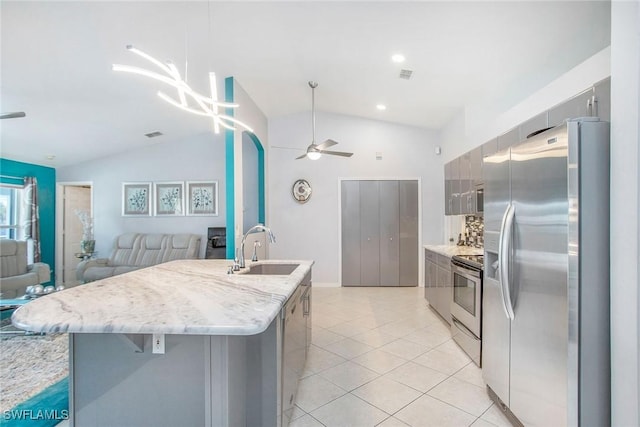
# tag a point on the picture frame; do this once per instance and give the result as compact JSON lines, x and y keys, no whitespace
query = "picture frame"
{"x":202,"y":198}
{"x":136,"y":199}
{"x":168,"y":198}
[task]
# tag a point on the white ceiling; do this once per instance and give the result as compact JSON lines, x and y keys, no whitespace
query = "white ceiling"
{"x":56,"y":62}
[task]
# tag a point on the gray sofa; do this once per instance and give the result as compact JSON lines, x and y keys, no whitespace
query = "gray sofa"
{"x":16,"y":274}
{"x":133,"y":251}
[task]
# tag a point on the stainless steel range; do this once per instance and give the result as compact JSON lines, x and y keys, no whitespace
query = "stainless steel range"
{"x":466,"y":306}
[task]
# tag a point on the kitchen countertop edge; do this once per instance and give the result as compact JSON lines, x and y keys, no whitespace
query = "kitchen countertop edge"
{"x":451,"y":250}
{"x":184,"y":297}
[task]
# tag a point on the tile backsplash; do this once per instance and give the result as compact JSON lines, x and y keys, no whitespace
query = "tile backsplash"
{"x":473,"y":234}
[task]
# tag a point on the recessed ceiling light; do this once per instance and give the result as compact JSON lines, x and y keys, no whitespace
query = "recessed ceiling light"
{"x":51,"y":157}
{"x":398,"y":58}
{"x":381,"y":107}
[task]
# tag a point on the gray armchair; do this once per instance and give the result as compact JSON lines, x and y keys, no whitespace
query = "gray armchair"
{"x":15,"y":273}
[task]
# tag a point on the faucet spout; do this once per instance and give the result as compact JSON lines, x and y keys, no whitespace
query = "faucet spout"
{"x":255,"y":229}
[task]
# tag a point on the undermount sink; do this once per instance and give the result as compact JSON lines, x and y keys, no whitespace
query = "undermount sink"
{"x":272,"y":269}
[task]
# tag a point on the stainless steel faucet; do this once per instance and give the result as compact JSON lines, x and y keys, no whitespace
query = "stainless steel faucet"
{"x":254,"y":229}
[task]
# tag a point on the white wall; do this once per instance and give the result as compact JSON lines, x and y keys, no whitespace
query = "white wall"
{"x":625,"y":211}
{"x":199,"y":158}
{"x":310,"y":231}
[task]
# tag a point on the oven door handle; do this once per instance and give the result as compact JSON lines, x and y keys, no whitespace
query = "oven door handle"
{"x":504,"y":257}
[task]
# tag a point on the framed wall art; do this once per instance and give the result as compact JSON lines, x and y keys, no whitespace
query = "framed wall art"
{"x":169,"y":198}
{"x":203,"y":198}
{"x":136,"y":198}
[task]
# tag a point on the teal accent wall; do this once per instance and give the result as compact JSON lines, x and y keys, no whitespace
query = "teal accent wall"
{"x":46,"y":177}
{"x":261,"y":189}
{"x":230,"y":173}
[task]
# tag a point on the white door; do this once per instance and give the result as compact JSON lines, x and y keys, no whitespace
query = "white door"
{"x":75,"y":198}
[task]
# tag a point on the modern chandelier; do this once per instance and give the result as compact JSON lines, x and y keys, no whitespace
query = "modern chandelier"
{"x":200,"y":104}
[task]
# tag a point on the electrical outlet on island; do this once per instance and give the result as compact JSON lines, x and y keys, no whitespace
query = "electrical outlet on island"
{"x":158,"y":344}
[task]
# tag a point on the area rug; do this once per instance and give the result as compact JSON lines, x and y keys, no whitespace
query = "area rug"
{"x":30,"y":364}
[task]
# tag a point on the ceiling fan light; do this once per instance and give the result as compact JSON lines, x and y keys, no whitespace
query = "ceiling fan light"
{"x":314,"y":155}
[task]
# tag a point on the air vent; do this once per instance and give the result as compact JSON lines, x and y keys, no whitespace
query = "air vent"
{"x":405,"y":74}
{"x":153,"y":134}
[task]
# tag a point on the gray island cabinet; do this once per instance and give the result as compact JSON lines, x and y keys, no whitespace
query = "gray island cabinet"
{"x":183,"y":343}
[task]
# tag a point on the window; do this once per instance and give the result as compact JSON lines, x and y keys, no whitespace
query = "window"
{"x":10,"y":205}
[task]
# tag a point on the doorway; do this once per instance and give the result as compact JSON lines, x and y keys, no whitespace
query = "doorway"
{"x":70,"y":198}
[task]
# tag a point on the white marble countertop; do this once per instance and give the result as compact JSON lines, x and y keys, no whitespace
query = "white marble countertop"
{"x":451,"y":250}
{"x":190,"y":297}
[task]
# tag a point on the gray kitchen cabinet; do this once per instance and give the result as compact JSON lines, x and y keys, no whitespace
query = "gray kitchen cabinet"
{"x":602,"y":92}
{"x":379,"y":233}
{"x":294,"y":334}
{"x":445,"y":288}
{"x":476,"y":165}
{"x":408,"y":232}
{"x":580,"y":105}
{"x":437,"y":283}
{"x":464,"y":163}
{"x":475,"y":174}
{"x":369,"y":233}
{"x":350,"y":202}
{"x":509,"y":138}
{"x":534,"y":124}
{"x":452,"y":187}
{"x":490,"y":147}
{"x":389,"y":203}
{"x":448,"y":200}
{"x":455,"y":187}
{"x":430,"y":277}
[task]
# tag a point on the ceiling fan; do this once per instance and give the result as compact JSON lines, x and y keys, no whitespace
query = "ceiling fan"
{"x":315,"y":151}
{"x":14,"y":115}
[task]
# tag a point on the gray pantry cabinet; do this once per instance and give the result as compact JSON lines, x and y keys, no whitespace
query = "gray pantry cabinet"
{"x":379,"y":232}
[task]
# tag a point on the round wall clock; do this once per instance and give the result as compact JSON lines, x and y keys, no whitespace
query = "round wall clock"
{"x":301,"y":190}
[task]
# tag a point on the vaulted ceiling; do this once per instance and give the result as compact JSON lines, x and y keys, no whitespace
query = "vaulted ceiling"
{"x":56,"y":62}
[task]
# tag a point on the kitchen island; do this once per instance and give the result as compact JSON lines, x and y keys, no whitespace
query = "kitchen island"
{"x":182,"y":343}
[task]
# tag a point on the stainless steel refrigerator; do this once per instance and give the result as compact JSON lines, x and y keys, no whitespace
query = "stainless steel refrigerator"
{"x":545,"y":331}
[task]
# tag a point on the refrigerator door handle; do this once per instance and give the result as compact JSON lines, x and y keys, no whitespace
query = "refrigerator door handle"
{"x":504,"y":252}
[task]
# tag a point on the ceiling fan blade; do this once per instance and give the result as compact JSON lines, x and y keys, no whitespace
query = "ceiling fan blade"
{"x":287,"y":148}
{"x":337,"y":153}
{"x":15,"y":115}
{"x":328,"y":143}
{"x":301,"y":157}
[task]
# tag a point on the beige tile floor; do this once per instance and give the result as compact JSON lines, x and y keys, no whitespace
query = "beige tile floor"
{"x":381,"y":357}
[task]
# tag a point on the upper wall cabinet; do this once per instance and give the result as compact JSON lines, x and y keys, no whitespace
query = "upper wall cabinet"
{"x":452,"y":187}
{"x":580,"y":105}
{"x":490,"y":147}
{"x":507,"y":139}
{"x":602,"y":106}
{"x":534,"y":125}
{"x":464,"y":174}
